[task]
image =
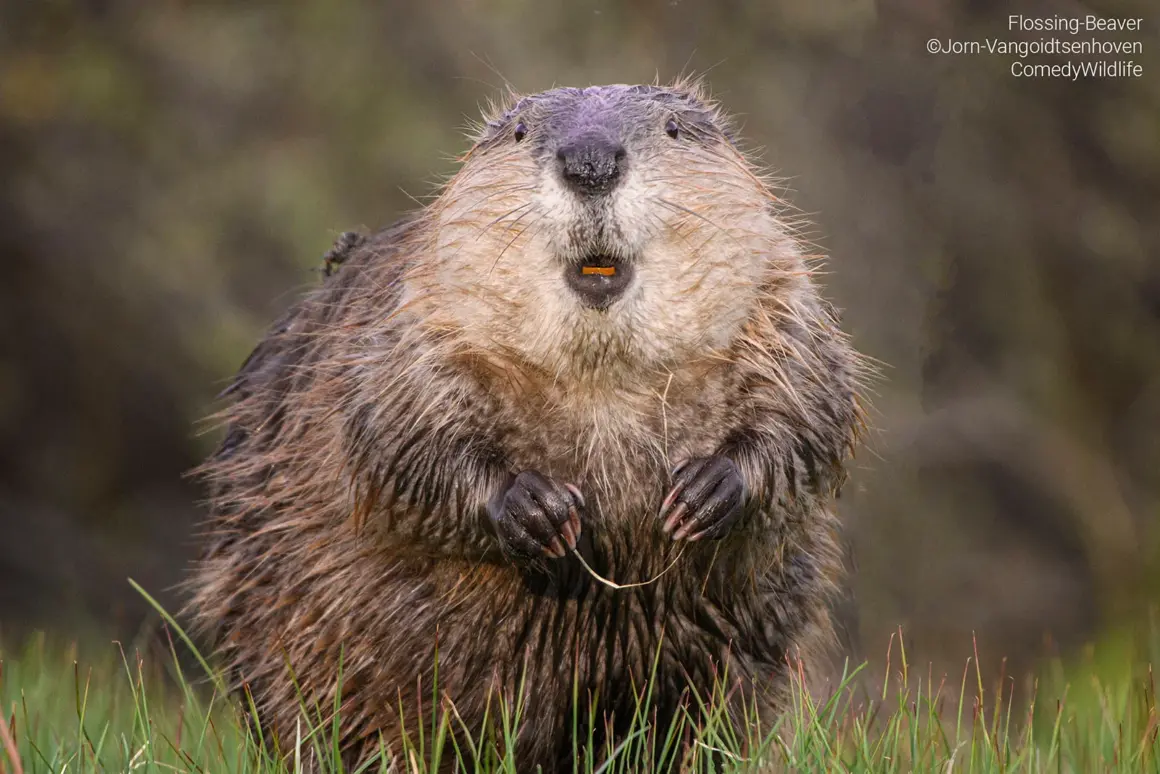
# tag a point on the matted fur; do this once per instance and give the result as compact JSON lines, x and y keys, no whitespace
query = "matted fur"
{"x":369,"y":429}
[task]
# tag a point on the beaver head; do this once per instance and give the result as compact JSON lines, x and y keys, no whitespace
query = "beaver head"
{"x":610,"y":224}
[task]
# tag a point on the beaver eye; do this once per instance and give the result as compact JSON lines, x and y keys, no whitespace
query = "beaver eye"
{"x":671,"y":129}
{"x":521,"y":131}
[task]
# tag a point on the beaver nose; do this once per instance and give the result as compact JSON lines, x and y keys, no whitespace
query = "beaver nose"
{"x":592,"y":165}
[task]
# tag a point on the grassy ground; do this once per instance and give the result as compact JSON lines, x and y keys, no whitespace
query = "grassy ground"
{"x":116,"y":709}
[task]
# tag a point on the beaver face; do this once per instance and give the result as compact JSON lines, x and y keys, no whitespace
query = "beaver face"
{"x":605,"y":222}
{"x":588,"y":144}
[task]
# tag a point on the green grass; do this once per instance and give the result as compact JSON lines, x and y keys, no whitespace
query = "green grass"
{"x":124,"y":708}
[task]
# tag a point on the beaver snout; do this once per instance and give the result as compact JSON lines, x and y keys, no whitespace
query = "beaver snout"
{"x":598,"y":280}
{"x":592,"y":165}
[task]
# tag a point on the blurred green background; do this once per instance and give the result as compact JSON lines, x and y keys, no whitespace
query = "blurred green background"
{"x":172,"y":172}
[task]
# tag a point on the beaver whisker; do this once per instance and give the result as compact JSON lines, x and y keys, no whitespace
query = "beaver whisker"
{"x":514,"y":239}
{"x":467,"y":213}
{"x":734,"y":232}
{"x":701,"y":253}
{"x":504,"y":216}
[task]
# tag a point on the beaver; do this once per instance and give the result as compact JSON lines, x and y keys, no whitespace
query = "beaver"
{"x":569,"y":432}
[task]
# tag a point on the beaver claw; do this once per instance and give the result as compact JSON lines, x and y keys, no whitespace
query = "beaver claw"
{"x":536,"y":516}
{"x":705,"y":500}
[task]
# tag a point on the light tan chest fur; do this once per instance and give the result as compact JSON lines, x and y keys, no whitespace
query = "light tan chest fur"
{"x":615,"y":439}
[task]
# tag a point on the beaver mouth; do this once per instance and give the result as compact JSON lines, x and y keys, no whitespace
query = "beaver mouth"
{"x":598,"y":279}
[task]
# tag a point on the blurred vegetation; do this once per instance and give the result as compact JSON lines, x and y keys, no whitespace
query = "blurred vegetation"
{"x":171,"y":173}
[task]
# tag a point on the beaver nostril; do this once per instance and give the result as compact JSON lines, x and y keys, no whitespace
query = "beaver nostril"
{"x":592,"y":165}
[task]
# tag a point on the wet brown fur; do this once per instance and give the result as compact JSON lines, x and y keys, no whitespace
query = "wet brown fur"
{"x":369,"y":428}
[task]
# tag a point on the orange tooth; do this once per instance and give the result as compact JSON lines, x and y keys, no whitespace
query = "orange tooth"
{"x":606,"y":271}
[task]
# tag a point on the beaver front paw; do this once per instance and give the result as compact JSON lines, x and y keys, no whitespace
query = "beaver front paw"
{"x":536,"y":516}
{"x":705,"y":500}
